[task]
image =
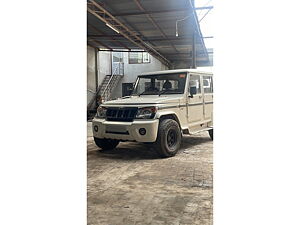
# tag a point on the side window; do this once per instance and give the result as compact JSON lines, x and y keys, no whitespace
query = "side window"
{"x":207,"y":84}
{"x":195,"y":83}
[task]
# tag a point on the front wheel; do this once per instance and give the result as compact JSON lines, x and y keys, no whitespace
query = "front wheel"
{"x":106,"y":144}
{"x":168,"y":138}
{"x":211,"y":134}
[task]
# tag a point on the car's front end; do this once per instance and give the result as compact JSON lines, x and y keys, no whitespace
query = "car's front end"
{"x":126,"y":123}
{"x":136,"y":118}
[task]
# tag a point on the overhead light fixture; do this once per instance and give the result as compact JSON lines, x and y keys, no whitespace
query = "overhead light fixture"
{"x":111,"y":27}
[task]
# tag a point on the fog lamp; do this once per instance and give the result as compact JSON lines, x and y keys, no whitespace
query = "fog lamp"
{"x":142,"y":131}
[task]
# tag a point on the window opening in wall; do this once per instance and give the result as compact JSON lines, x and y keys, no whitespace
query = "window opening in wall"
{"x":138,"y":57}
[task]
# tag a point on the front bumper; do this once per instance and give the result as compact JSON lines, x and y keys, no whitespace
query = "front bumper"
{"x":127,"y":131}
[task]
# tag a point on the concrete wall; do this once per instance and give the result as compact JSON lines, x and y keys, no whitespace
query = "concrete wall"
{"x":91,"y":73}
{"x":104,"y":65}
{"x":131,"y":71}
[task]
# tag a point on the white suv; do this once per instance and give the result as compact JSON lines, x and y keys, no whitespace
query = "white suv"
{"x":163,"y":106}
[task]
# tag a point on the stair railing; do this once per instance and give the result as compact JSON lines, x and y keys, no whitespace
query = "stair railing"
{"x":110,"y":83}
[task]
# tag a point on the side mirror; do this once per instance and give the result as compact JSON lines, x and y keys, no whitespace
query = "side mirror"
{"x":193,"y":91}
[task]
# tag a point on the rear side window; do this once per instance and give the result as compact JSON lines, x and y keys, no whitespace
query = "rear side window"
{"x":208,"y":84}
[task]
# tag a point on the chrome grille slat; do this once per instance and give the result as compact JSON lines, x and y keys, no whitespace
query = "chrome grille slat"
{"x":121,"y":114}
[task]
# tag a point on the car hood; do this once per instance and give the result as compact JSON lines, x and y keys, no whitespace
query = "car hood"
{"x":143,"y":100}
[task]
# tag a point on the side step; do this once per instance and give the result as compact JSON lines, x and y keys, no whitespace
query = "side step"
{"x":197,"y":132}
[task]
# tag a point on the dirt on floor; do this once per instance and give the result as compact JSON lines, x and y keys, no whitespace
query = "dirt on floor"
{"x":132,"y":185}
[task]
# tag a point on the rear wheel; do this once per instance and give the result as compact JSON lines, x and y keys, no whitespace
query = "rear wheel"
{"x":168,"y":138}
{"x":211,"y":134}
{"x":106,"y":144}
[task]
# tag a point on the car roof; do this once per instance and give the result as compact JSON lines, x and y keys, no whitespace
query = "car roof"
{"x":176,"y":71}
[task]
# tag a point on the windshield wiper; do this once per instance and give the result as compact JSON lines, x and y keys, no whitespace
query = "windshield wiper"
{"x":172,"y":92}
{"x":162,"y":92}
{"x":142,"y":93}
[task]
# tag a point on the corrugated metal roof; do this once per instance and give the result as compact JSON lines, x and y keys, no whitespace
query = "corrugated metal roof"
{"x":154,"y":22}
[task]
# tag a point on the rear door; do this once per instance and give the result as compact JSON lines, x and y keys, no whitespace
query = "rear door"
{"x":207,"y":83}
{"x":195,"y":104}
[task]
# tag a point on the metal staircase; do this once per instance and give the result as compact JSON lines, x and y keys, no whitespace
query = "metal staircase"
{"x":107,"y":86}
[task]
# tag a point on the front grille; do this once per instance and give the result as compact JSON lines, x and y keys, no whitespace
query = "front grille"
{"x":121,"y":114}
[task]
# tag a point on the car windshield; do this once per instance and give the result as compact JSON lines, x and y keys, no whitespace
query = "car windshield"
{"x":160,"y":84}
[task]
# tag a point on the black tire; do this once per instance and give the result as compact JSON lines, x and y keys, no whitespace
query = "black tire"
{"x":106,"y":144}
{"x":211,"y":134}
{"x":168,"y":138}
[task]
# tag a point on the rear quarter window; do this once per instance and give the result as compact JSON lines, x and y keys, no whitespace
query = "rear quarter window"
{"x":208,"y":84}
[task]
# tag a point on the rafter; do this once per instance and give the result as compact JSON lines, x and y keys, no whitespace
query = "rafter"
{"x":111,"y":37}
{"x":100,"y":43}
{"x":169,"y":38}
{"x":161,"y":11}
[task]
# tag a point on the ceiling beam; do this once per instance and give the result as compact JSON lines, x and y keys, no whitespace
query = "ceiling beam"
{"x":100,"y":43}
{"x":169,"y":38}
{"x":149,"y":12}
{"x":115,"y":50}
{"x":186,"y":55}
{"x":102,"y":14}
{"x":111,"y":37}
{"x":94,"y":46}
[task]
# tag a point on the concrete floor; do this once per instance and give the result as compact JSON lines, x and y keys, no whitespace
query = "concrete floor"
{"x":131,"y":185}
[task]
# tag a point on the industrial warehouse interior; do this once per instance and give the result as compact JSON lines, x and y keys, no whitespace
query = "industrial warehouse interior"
{"x":128,"y":183}
{"x":148,"y":112}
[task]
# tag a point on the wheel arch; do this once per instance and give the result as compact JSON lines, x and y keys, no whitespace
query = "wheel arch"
{"x":169,"y":115}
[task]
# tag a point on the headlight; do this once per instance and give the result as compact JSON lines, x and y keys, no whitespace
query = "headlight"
{"x":146,"y":113}
{"x":101,"y":112}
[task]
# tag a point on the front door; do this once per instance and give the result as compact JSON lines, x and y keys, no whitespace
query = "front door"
{"x":195,"y":104}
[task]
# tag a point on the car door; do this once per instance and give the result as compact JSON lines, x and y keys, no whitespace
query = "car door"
{"x":207,"y":82}
{"x":195,"y":103}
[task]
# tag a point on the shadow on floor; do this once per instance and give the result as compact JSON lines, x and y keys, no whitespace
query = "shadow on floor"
{"x":190,"y":141}
{"x":136,"y":151}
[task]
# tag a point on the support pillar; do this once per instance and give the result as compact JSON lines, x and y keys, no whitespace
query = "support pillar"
{"x":194,"y":51}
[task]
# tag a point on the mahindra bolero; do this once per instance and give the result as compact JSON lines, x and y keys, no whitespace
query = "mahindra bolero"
{"x":163,"y":106}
